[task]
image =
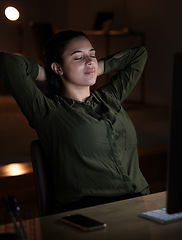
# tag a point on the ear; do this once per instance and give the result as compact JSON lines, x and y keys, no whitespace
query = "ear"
{"x":57,"y":68}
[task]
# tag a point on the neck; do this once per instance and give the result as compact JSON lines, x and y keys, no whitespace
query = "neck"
{"x":78,"y":94}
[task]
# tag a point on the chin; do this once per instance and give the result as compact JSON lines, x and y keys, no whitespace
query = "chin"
{"x":92,"y":83}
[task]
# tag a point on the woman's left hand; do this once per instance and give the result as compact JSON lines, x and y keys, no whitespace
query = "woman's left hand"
{"x":100,"y":70}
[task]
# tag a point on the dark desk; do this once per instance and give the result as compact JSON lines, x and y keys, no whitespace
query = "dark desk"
{"x":121,"y":218}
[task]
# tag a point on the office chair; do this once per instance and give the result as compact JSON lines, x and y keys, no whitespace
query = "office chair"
{"x":43,"y":179}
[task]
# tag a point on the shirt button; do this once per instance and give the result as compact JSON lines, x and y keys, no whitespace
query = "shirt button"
{"x":112,"y":159}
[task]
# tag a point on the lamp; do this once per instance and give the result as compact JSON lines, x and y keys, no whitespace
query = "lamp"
{"x":12,"y":13}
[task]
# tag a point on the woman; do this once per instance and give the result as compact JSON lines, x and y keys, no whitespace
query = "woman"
{"x":86,"y":135}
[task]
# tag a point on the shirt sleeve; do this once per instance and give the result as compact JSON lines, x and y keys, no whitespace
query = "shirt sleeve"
{"x":18,"y":75}
{"x":128,"y":68}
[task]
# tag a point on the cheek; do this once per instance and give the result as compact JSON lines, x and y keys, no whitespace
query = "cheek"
{"x":72,"y":72}
{"x":69,"y":68}
{"x":74,"y":67}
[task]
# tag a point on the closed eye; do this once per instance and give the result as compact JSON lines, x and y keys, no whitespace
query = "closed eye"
{"x":81,"y":57}
{"x":78,"y":58}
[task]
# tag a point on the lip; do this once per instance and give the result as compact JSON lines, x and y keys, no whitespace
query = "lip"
{"x":90,"y":71}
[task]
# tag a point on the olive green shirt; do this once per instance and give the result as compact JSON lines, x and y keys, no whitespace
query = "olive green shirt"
{"x":91,"y":146}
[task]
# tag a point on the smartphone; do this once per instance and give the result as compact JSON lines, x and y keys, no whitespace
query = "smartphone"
{"x":82,"y":222}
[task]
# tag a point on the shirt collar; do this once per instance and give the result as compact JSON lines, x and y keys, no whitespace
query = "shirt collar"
{"x":89,"y":100}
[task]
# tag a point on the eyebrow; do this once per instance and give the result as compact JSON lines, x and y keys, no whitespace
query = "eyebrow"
{"x":79,"y":51}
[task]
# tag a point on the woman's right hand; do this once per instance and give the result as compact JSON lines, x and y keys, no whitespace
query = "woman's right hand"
{"x":41,"y":75}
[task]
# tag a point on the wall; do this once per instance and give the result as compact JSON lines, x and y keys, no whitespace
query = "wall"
{"x":31,"y":11}
{"x":83,"y":13}
{"x":160,"y":20}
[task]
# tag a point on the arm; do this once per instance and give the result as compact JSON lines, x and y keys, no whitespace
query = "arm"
{"x":128,"y":66}
{"x":18,"y":75}
{"x":41,"y":79}
{"x":101,"y":63}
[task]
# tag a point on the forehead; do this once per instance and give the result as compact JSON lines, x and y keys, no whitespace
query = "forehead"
{"x":78,"y":44}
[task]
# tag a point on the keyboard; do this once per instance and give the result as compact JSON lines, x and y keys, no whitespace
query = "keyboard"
{"x":161,"y":216}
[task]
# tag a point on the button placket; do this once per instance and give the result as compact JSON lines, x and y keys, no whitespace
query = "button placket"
{"x":112,"y":138}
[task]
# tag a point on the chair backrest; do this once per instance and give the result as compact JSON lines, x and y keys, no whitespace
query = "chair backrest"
{"x":43,"y":179}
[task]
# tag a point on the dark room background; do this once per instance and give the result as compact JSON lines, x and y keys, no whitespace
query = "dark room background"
{"x":159,"y":20}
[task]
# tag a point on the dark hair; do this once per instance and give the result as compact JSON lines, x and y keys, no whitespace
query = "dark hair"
{"x":54,"y":50}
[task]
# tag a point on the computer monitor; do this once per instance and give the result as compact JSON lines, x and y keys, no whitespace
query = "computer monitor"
{"x":174,"y":174}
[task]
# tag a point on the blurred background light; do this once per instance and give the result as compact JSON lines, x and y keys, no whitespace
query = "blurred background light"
{"x":12,"y":13}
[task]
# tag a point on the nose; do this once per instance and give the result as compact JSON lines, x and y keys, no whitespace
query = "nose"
{"x":89,"y":61}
